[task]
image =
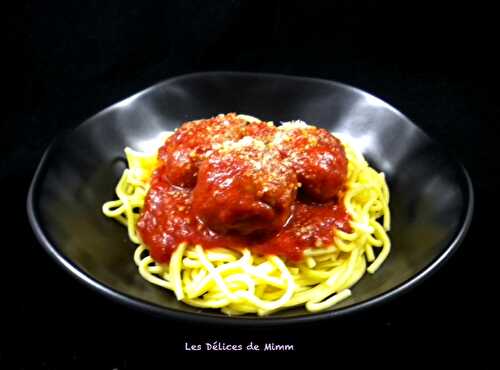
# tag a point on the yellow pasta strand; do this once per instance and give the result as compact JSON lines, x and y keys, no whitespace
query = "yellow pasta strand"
{"x":238,"y":282}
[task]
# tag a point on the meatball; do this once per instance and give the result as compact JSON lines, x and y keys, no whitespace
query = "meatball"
{"x":244,"y":188}
{"x":183,"y":151}
{"x":317,"y":157}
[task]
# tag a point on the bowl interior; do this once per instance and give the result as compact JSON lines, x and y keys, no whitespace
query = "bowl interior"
{"x":430,"y":193}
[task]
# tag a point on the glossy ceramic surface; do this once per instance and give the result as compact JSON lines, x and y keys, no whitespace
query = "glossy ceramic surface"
{"x":431,"y":194}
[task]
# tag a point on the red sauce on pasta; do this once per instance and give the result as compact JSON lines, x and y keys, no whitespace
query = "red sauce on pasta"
{"x":223,"y":182}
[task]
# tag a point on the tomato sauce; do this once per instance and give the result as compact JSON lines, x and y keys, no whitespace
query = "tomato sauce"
{"x":168,"y":217}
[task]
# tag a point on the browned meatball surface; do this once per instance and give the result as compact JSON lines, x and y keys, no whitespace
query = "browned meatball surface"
{"x":191,"y":143}
{"x":245,"y":188}
{"x":317,"y":157}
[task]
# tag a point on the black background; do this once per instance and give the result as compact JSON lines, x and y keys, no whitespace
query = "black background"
{"x":68,"y":60}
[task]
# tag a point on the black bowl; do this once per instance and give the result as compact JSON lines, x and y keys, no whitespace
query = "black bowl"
{"x":431,"y":194}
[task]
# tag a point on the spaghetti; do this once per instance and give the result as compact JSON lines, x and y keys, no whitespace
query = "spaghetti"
{"x":238,"y":281}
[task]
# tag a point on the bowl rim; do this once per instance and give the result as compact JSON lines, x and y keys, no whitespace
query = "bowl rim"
{"x":207,"y":318}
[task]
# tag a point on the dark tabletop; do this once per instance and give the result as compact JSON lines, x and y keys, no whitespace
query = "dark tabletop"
{"x":68,"y":60}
